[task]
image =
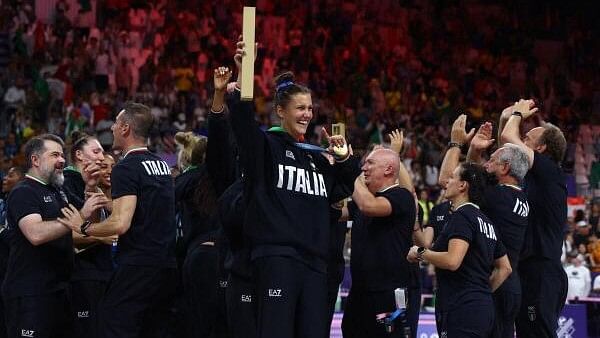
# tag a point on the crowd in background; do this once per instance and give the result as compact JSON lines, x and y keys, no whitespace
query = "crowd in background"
{"x":71,"y":65}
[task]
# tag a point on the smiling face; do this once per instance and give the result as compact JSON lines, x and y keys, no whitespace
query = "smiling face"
{"x":107,"y":165}
{"x":297,"y":114}
{"x":380,"y":169}
{"x":51,"y":163}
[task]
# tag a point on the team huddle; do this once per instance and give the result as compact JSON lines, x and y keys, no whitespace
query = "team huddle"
{"x":247,"y":240}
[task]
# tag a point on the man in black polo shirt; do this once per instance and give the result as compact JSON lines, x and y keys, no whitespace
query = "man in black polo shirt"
{"x":507,"y":208}
{"x":41,"y":248}
{"x":543,"y":280}
{"x":143,"y":215}
{"x":383,"y":217}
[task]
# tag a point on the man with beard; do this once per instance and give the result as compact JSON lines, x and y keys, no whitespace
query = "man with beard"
{"x":41,"y":248}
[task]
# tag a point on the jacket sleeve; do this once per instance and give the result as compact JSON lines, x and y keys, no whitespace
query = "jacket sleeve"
{"x":220,"y":152}
{"x":344,"y":173}
{"x":250,"y":138}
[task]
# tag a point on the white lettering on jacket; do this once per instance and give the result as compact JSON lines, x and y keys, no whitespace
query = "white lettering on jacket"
{"x":301,"y":180}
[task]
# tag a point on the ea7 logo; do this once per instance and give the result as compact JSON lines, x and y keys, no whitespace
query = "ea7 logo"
{"x":246,"y":298}
{"x":83,"y":314}
{"x":27,"y":333}
{"x":274,"y":292}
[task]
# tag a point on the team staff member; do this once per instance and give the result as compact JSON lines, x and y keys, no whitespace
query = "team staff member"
{"x":508,"y":212}
{"x":93,"y":262}
{"x":290,"y":190}
{"x":543,"y":280}
{"x":464,"y":255}
{"x":507,"y":209}
{"x":383,"y":217}
{"x":35,"y":288}
{"x":13,"y":176}
{"x":143,"y":215}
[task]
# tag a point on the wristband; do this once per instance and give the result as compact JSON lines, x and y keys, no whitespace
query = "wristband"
{"x":454,"y":144}
{"x":517,"y":113}
{"x":84,"y":227}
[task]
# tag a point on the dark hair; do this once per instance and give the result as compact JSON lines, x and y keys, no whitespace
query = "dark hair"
{"x":78,"y":141}
{"x":19,"y":170}
{"x":476,"y":176}
{"x":109,"y":154}
{"x":285,"y":88}
{"x":554,"y":139}
{"x":139,"y":118}
{"x":35,"y":146}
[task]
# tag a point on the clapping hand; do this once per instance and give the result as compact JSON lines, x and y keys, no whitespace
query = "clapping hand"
{"x":396,"y":140}
{"x":459,"y":134}
{"x":483,"y":138}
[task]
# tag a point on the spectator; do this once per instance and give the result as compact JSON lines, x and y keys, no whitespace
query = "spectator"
{"x":579,"y":279}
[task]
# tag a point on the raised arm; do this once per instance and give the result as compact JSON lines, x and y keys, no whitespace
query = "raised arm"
{"x":249,"y":137}
{"x":511,"y":132}
{"x":220,"y":157}
{"x":369,"y":204}
{"x":458,"y":137}
{"x":396,"y":143}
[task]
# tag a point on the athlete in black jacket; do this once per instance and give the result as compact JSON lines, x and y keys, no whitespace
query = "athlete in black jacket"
{"x":287,"y":220}
{"x":93,"y":262}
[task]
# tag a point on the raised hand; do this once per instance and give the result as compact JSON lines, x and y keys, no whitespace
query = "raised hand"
{"x":221,"y":78}
{"x":507,"y":112}
{"x":239,"y":52}
{"x":525,"y":107}
{"x":396,"y":140}
{"x":337,"y":145}
{"x":459,"y":134}
{"x":483,"y":138}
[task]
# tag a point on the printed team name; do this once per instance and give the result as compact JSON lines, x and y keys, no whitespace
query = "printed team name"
{"x":301,"y":180}
{"x":521,"y":208}
{"x":156,"y":168}
{"x":487,"y":229}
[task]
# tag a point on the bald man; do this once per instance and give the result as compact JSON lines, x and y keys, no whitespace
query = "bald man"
{"x":383,"y":216}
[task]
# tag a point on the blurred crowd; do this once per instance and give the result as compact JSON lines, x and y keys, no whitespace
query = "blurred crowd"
{"x":376,"y":66}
